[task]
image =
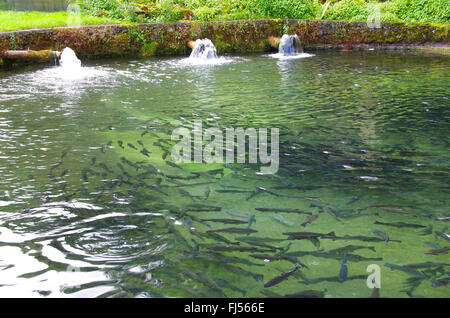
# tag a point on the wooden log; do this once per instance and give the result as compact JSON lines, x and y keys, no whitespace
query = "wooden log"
{"x":29,"y":56}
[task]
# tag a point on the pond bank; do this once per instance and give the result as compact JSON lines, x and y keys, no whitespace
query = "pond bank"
{"x":243,"y":36}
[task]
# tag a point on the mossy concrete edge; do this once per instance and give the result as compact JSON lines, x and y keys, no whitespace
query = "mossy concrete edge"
{"x":243,"y":36}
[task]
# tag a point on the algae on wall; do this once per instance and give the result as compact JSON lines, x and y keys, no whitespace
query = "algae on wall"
{"x":244,"y":36}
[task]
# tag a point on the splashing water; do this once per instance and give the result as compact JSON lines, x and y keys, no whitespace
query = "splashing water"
{"x":70,"y":68}
{"x":290,"y":45}
{"x":204,"y":53}
{"x":69,"y":59}
{"x":203,"y":49}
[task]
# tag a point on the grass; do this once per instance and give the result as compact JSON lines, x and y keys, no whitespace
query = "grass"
{"x":14,"y":20}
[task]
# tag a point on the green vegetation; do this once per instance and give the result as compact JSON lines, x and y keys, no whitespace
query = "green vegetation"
{"x":204,"y":10}
{"x":137,"y":11}
{"x":391,"y":11}
{"x":15,"y":20}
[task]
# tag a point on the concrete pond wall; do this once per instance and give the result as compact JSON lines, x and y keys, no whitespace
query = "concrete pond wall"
{"x":244,"y":36}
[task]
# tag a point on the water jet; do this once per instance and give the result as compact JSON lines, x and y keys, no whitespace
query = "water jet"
{"x":203,"y":49}
{"x":290,"y":45}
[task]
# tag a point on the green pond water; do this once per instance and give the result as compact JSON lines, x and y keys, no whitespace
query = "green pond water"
{"x":363,"y":139}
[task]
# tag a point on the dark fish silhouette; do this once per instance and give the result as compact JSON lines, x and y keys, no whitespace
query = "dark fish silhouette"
{"x":276,"y":280}
{"x":343,"y":270}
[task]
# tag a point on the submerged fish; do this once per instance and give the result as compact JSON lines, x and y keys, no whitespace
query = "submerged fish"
{"x":363,"y":238}
{"x":427,"y":264}
{"x":225,"y":221}
{"x":131,"y":146}
{"x":315,"y":241}
{"x":344,"y":270}
{"x":308,"y":235}
{"x":276,"y":280}
{"x":400,"y":224}
{"x":186,"y":194}
{"x":105,"y":167}
{"x":353,"y":199}
{"x":427,"y":231}
{"x":231,"y":191}
{"x":251,"y":220}
{"x":310,"y":219}
{"x":145,"y":152}
{"x":332,"y":213}
{"x":174,"y":165}
{"x":207,"y":191}
{"x":382,"y":235}
{"x":393,"y":209}
{"x":333,"y":279}
{"x":443,"y":250}
{"x":261,"y":189}
{"x":349,"y":248}
{"x":443,"y":235}
{"x":225,"y":248}
{"x":203,"y":174}
{"x":406,"y":270}
{"x":260,"y":239}
{"x":56,"y":165}
{"x":260,"y":244}
{"x":220,"y":238}
{"x":441,"y":282}
{"x":238,"y":215}
{"x":193,"y":231}
{"x":201,"y":208}
{"x":286,"y":210}
{"x":282,"y":219}
{"x":64,"y":173}
{"x":235,"y":230}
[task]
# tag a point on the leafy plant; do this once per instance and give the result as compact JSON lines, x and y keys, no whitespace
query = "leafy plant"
{"x":348,"y":10}
{"x":300,"y":9}
{"x":421,"y":10}
{"x":205,"y":13}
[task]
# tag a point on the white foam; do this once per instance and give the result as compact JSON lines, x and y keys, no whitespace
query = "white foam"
{"x":204,"y":62}
{"x":281,"y":56}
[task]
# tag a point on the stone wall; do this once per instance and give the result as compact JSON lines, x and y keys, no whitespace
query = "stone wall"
{"x":245,"y":36}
